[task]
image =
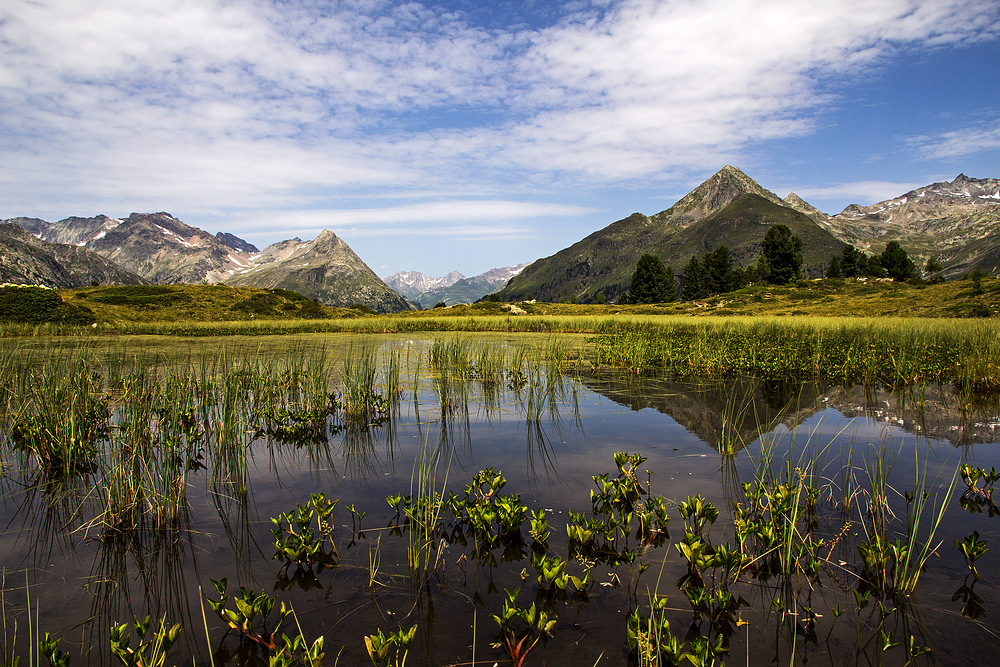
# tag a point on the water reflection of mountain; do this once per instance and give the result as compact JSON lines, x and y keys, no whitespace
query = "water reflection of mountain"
{"x":732,"y":413}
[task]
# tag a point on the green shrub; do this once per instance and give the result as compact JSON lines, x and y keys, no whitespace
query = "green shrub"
{"x":27,"y":303}
{"x":259,"y":303}
{"x":30,"y":304}
{"x":979,"y":310}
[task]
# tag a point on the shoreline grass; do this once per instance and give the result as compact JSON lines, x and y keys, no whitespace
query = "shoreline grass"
{"x":893,"y":352}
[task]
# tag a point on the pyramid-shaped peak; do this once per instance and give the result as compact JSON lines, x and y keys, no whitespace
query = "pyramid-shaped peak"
{"x":327,"y":239}
{"x":716,"y":193}
{"x":730,"y":178}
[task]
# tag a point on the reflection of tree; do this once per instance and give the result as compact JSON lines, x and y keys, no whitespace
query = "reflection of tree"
{"x":726,"y":414}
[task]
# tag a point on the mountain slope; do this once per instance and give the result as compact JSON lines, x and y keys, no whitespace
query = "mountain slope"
{"x":27,"y":260}
{"x":713,"y":195}
{"x":728,"y":209}
{"x":325,"y":269}
{"x":956,"y":221}
{"x":164,"y":250}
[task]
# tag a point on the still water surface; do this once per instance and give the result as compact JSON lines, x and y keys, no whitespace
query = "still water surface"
{"x":77,"y":579}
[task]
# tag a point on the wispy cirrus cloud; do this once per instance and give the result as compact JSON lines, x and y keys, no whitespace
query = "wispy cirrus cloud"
{"x":862,"y":192}
{"x":460,"y":215}
{"x":958,"y":143}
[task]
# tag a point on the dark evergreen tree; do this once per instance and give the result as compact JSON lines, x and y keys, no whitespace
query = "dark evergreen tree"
{"x":871,"y":266}
{"x":671,"y":281}
{"x":718,"y":272}
{"x":652,"y":282}
{"x":933,"y":266}
{"x":851,"y":262}
{"x":694,"y":280}
{"x":897,"y":262}
{"x":740,"y":279}
{"x":780,"y":256}
{"x":833,"y":271}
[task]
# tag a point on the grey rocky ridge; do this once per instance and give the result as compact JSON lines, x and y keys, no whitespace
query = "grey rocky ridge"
{"x":156,"y":246}
{"x":955,"y":221}
{"x":325,"y":269}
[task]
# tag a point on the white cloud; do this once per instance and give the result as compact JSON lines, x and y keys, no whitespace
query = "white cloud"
{"x":221,"y":107}
{"x":457,"y":219}
{"x":653,"y":85}
{"x":861,"y":192}
{"x":958,"y":143}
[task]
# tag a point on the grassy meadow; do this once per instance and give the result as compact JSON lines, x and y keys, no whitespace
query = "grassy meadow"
{"x":140,"y":309}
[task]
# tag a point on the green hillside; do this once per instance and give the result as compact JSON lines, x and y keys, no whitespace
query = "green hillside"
{"x":602,"y":264}
{"x":199,"y":303}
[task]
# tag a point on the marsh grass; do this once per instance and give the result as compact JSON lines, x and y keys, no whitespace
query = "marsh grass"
{"x":427,"y":483}
{"x":893,"y":353}
{"x":57,"y":409}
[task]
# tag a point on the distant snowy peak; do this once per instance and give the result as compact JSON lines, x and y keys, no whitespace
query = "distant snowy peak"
{"x":501,"y":275}
{"x":463,"y":290}
{"x":413,"y":283}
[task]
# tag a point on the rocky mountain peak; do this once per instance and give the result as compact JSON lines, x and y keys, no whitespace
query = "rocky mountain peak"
{"x":326,"y":241}
{"x":793,"y":201}
{"x":236,"y":243}
{"x":716,"y":193}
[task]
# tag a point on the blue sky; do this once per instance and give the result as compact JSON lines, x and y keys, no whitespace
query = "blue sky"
{"x":468,"y":134}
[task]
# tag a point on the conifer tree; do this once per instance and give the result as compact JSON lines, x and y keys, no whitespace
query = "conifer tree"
{"x":780,"y":256}
{"x":833,"y":270}
{"x":652,"y":282}
{"x":851,"y":262}
{"x":897,"y":262}
{"x":694,"y":280}
{"x":718,"y":272}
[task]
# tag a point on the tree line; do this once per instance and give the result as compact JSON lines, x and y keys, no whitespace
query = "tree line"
{"x":779,"y":263}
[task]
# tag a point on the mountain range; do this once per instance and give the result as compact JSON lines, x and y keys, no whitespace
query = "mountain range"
{"x":956,"y":222}
{"x":159,"y":248}
{"x":451,"y":289}
{"x":325,"y":269}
